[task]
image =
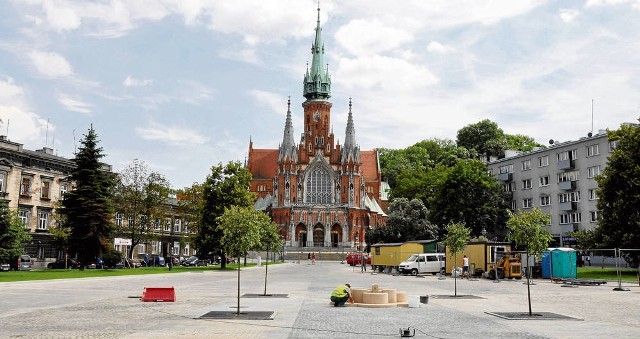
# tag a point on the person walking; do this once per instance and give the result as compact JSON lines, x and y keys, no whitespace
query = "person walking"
{"x":341,"y":294}
{"x":313,"y":258}
{"x":308,"y":258}
{"x":364,"y":263}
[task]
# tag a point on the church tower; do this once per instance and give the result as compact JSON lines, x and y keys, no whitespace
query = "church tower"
{"x":321,"y":194}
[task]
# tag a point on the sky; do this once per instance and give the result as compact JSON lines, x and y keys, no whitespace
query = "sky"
{"x":184,"y":85}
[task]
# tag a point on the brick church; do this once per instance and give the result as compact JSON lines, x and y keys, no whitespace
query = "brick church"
{"x":320,"y":193}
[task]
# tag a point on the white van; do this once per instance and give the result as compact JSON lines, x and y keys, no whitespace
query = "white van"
{"x":423,"y":263}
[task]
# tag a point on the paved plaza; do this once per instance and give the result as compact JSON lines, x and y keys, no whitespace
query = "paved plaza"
{"x":107,"y":307}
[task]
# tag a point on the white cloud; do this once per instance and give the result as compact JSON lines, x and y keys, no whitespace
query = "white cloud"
{"x":247,"y":55}
{"x":567,"y":15}
{"x":368,"y":37}
{"x":171,"y":135}
{"x":194,"y":93}
{"x":24,"y":125}
{"x":50,"y":64}
{"x":274,"y":101}
{"x":73,"y":104}
{"x":391,"y":74}
{"x":133,"y":82}
{"x":436,"y":47}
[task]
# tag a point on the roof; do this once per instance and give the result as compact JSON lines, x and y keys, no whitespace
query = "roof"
{"x":263,"y":163}
{"x":369,"y":165}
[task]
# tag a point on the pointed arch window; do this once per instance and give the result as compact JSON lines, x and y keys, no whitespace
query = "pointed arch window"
{"x":318,"y":186}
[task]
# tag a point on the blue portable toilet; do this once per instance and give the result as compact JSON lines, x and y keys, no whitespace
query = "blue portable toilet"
{"x":559,"y":263}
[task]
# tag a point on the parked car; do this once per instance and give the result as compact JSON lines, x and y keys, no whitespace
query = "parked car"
{"x":5,"y":267}
{"x":191,"y":261}
{"x":22,"y":263}
{"x":61,"y":264}
{"x":355,"y":259}
{"x":96,"y":263}
{"x":156,"y":260}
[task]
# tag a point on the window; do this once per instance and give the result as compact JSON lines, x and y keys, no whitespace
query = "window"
{"x":568,"y":155}
{"x":513,"y":205}
{"x":185,"y":249}
{"x":176,"y":227}
{"x":595,"y":216}
{"x":569,"y":176}
{"x":570,"y":218}
{"x":526,"y":165}
{"x":43,"y":220}
{"x":613,"y":144}
{"x":526,"y":184}
{"x":156,"y":225}
{"x":544,"y":181}
{"x":526,"y":203}
{"x":186,"y":227}
{"x":543,"y":161}
{"x":118,"y":219}
{"x":63,"y":189}
{"x":569,"y":197}
{"x":318,"y":186}
{"x":545,"y":200}
{"x":131,"y":221}
{"x":592,"y":150}
{"x":593,"y":171}
{"x":46,"y":188}
{"x":25,"y":186}
{"x":593,"y":194}
{"x":564,"y":219}
{"x":167,"y":225}
{"x":24,"y":215}
{"x":506,"y":169}
{"x":2,"y":176}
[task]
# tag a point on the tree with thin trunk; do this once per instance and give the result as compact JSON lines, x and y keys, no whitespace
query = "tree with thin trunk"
{"x":457,"y":236}
{"x":242,"y":230}
{"x":526,"y":231}
{"x":12,"y":234}
{"x":269,"y":241}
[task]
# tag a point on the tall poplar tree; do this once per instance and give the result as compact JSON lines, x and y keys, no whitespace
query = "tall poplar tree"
{"x":87,"y":208}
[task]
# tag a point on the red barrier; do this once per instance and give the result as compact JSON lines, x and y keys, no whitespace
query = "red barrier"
{"x":158,"y":294}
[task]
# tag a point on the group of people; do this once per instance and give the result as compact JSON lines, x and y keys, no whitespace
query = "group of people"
{"x":311,"y":258}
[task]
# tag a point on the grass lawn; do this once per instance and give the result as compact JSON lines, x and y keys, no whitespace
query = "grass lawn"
{"x":47,"y":274}
{"x":608,"y":274}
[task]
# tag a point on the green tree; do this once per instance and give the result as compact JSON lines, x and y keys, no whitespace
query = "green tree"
{"x":619,"y":193}
{"x":520,"y":142}
{"x":87,"y":209}
{"x":190,"y":204}
{"x":407,"y":220}
{"x":139,"y":199}
{"x":485,"y":137}
{"x":455,"y":241}
{"x":466,"y":193}
{"x":526,"y":231}
{"x":270,"y":241}
{"x":226,"y":186}
{"x":243,"y":229}
{"x":12,"y":234}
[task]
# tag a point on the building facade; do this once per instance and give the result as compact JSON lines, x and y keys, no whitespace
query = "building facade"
{"x":320,"y":193}
{"x":559,"y":180}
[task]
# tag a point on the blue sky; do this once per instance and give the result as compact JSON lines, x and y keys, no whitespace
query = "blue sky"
{"x":183,"y":85}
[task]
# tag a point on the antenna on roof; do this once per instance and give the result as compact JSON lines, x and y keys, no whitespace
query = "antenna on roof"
{"x":46,"y":134}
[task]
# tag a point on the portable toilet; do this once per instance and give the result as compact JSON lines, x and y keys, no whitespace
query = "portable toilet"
{"x":559,"y":263}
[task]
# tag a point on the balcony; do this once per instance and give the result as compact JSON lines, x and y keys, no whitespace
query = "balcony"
{"x":505,"y":177}
{"x":572,"y":227}
{"x":567,"y":185}
{"x":566,"y":164}
{"x":567,"y":206}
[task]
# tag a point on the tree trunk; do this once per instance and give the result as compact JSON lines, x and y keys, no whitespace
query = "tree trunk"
{"x":238,"y":309}
{"x":266,"y":273}
{"x":529,"y":285}
{"x":455,"y":275}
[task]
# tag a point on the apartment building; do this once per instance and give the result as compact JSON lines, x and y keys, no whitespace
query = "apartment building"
{"x":559,"y":180}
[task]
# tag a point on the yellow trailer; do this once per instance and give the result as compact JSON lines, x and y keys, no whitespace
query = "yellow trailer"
{"x":389,"y":256}
{"x":481,"y":254}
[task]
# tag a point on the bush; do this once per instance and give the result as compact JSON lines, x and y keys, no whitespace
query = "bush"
{"x":112,"y":257}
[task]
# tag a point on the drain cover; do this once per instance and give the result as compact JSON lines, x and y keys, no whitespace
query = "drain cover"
{"x":254,"y":315}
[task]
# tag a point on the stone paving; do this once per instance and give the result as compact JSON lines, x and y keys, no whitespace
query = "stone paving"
{"x":107,"y":307}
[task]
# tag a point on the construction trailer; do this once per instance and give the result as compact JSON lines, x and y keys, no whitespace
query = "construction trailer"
{"x":481,"y":254}
{"x":386,"y":257}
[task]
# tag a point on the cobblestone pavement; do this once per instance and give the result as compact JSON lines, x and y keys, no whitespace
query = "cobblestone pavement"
{"x":109,"y":307}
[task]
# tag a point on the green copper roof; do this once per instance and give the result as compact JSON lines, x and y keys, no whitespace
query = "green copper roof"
{"x":317,"y":81}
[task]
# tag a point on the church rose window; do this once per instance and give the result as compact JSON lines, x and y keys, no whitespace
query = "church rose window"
{"x":318,"y":186}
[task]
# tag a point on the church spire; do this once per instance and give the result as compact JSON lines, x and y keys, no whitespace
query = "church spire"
{"x":317,"y":81}
{"x":288,"y":147}
{"x":350,"y":149}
